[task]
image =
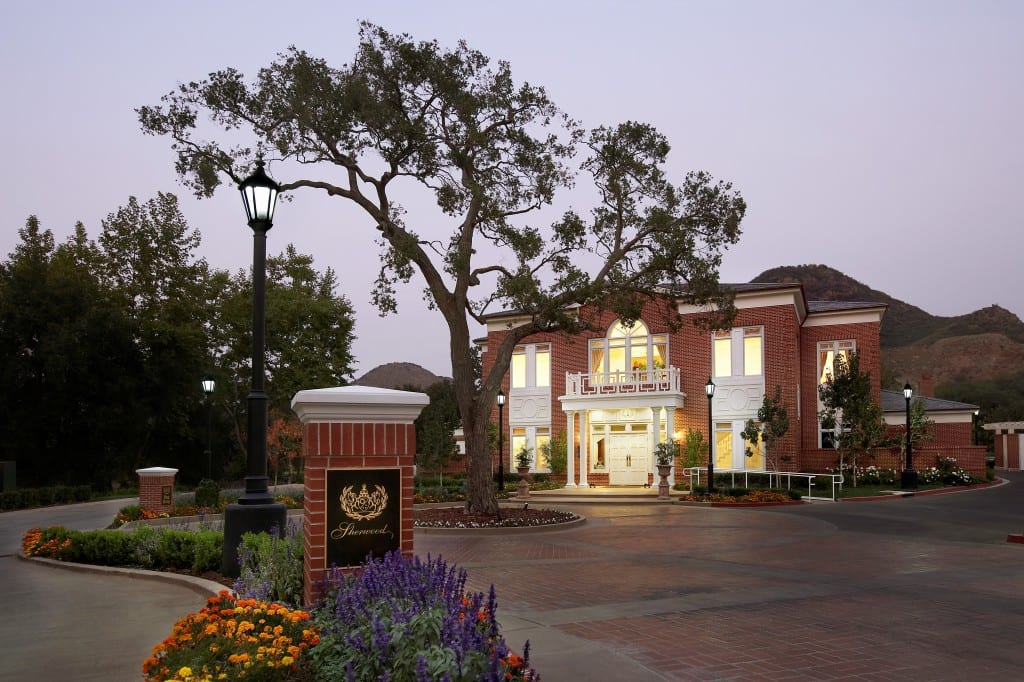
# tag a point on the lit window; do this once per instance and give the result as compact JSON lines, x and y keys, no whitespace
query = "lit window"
{"x":626,"y":351}
{"x":542,"y":366}
{"x":531,"y":366}
{"x":518,"y":368}
{"x":738,"y":352}
{"x":752,"y":352}
{"x":723,"y":354}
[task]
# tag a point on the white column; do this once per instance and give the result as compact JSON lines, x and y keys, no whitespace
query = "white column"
{"x":656,"y":428}
{"x":570,"y":438}
{"x":670,"y":425}
{"x":583,"y":448}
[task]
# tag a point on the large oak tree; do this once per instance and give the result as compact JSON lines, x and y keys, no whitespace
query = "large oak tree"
{"x":492,"y":152}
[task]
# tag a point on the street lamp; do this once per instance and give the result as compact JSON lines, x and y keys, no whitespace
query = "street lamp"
{"x":255,"y":511}
{"x":208,"y":386}
{"x":709,"y":388}
{"x":908,"y":480}
{"x":501,"y":440}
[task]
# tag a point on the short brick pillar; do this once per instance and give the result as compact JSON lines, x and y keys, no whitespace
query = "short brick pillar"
{"x":358,"y":446}
{"x":156,"y":489}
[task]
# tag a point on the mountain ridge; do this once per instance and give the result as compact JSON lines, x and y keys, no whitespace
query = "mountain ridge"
{"x":983,"y":344}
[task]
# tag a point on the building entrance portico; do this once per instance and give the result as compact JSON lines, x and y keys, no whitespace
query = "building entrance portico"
{"x":615,"y":431}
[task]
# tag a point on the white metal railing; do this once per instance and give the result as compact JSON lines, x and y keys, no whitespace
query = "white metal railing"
{"x":665,"y":380}
{"x":835,"y":481}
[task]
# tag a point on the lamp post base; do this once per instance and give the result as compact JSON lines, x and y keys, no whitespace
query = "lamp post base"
{"x":908,"y":480}
{"x":240,"y":519}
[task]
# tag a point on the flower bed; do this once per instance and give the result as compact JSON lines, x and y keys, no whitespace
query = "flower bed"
{"x":233,"y":639}
{"x":457,"y":517}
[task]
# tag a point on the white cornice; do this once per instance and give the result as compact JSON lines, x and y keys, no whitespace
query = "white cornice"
{"x":358,"y":404}
{"x":790,"y":296}
{"x":836,"y":317}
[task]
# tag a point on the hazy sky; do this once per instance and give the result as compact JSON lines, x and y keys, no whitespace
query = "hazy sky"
{"x":881,"y":138}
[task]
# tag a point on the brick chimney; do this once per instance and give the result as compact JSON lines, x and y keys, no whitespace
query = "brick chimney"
{"x":927,"y":386}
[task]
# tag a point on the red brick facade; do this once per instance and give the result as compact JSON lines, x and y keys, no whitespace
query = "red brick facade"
{"x":156,"y":489}
{"x":358,"y":428}
{"x":790,"y":330}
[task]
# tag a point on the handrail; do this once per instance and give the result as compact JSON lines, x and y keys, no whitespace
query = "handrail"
{"x":835,"y":480}
{"x":661,"y":380}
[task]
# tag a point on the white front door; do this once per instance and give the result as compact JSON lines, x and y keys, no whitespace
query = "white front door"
{"x":628,"y":459}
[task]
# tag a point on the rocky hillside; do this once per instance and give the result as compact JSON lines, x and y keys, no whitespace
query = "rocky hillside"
{"x":984,"y":344}
{"x":398,"y":375}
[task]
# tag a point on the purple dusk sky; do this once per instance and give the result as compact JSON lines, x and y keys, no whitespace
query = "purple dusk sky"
{"x":882,"y":138}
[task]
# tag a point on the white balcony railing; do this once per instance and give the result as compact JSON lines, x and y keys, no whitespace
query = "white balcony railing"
{"x":620,"y":383}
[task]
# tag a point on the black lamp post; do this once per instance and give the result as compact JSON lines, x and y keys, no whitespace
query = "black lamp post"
{"x":908,"y":481}
{"x":975,"y":419}
{"x":256,"y":511}
{"x":709,"y":388}
{"x":208,"y":386}
{"x":501,"y":440}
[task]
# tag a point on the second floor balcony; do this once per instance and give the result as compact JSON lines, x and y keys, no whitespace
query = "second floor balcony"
{"x":628,"y":382}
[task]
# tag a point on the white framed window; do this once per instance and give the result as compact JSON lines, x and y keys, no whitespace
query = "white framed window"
{"x":535,"y":438}
{"x":530,"y":366}
{"x":627,"y":351}
{"x":738,"y":352}
{"x":828,"y":351}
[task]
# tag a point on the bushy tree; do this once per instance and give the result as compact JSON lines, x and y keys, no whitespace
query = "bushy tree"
{"x":435,"y":427}
{"x":771,"y":425}
{"x":405,"y":116}
{"x":849,"y":407}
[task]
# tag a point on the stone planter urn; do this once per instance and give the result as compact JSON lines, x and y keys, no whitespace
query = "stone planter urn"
{"x":663,"y":471}
{"x":524,"y":481}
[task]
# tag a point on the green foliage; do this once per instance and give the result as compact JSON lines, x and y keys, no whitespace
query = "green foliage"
{"x":145,"y":547}
{"x":139,"y":300}
{"x":435,"y":427}
{"x":693,"y":451}
{"x":37,"y":497}
{"x":207,"y":494}
{"x":555,"y":450}
{"x":490,"y":151}
{"x":666,"y":453}
{"x":272,"y":566}
{"x":771,"y":425}
{"x":524,"y":456}
{"x":850,"y":409}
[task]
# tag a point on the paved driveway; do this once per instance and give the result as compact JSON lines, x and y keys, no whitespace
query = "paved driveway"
{"x":914,"y":589}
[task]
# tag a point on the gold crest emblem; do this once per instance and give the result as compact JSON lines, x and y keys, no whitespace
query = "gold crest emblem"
{"x":364,"y":505}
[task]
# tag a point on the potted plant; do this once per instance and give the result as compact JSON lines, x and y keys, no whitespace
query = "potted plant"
{"x":665,"y":456}
{"x":523,"y":460}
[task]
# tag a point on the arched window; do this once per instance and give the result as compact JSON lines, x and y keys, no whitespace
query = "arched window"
{"x":627,"y":351}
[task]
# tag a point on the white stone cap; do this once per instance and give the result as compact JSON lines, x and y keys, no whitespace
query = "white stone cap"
{"x":358,"y":404}
{"x":156,"y":471}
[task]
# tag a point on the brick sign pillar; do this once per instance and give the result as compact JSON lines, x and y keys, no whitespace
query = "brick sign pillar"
{"x":358,"y":446}
{"x":156,"y":489}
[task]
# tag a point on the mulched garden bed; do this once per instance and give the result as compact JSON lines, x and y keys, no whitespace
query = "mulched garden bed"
{"x":457,"y":517}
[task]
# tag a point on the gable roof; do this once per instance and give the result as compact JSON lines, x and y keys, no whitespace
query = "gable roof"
{"x":893,"y":401}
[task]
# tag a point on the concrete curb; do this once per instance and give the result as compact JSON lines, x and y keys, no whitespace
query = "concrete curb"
{"x":201,"y":586}
{"x":899,"y":494}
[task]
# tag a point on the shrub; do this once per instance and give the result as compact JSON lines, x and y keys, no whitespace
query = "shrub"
{"x":175,"y":549}
{"x":233,"y":639}
{"x":104,"y":547}
{"x":271,"y":565}
{"x":405,"y":619}
{"x":207,"y":494}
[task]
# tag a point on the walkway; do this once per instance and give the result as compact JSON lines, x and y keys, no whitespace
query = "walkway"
{"x":915,"y":589}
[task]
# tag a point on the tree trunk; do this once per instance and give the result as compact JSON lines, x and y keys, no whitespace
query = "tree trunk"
{"x":480,"y":497}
